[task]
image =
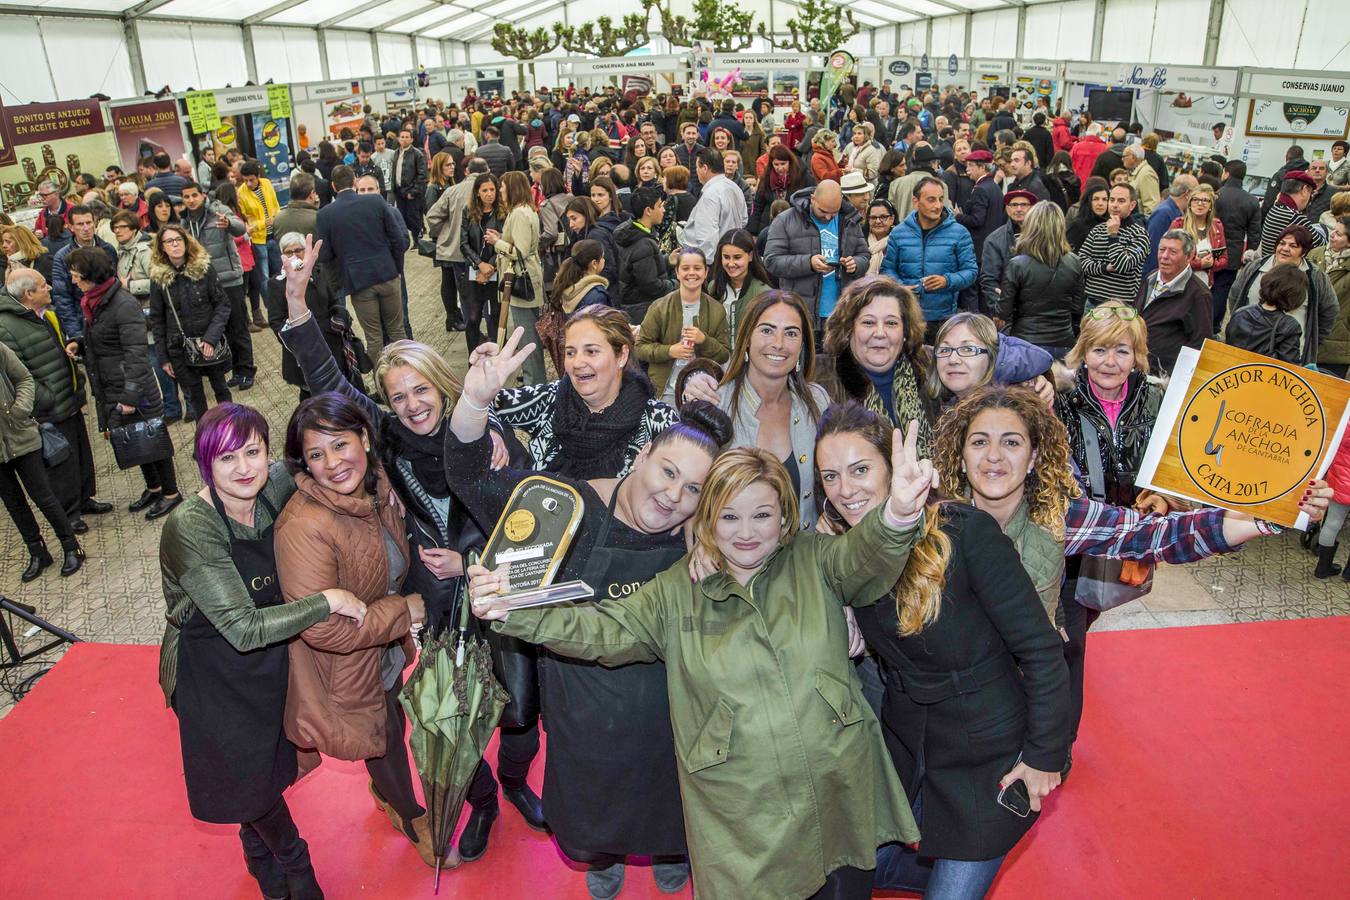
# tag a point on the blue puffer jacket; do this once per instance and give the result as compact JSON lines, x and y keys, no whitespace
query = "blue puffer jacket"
{"x":912,"y":256}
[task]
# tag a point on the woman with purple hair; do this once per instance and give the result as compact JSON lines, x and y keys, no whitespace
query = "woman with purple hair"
{"x":223,"y":663}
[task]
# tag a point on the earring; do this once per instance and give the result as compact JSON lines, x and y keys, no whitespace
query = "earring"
{"x":747,"y":356}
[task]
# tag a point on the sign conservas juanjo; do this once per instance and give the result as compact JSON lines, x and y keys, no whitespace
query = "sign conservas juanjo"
{"x":1244,"y":431}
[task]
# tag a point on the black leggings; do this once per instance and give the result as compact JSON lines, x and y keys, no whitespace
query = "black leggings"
{"x":392,"y":772}
{"x":480,"y":309}
{"x":845,"y":883}
{"x":190,"y":380}
{"x":31,"y":470}
{"x":1077,"y":620}
{"x":277,"y":857}
{"x":450,"y":295}
{"x":516,"y":749}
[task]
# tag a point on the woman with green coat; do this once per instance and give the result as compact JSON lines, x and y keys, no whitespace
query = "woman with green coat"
{"x":783,"y":770}
{"x":683,"y":325}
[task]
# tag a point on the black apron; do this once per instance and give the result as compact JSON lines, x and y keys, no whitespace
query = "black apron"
{"x":610,"y":779}
{"x":236,"y":758}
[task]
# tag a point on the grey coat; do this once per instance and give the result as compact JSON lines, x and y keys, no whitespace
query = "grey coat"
{"x":445,"y":220}
{"x":793,"y":239}
{"x":219,"y":242}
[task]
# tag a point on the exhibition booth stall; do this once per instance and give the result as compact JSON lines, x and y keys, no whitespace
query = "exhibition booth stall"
{"x":1277,"y":108}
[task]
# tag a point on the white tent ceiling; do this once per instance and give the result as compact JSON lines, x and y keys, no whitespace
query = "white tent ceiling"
{"x":457,"y":19}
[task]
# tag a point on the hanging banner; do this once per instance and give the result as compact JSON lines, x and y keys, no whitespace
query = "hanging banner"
{"x":342,"y":115}
{"x":279,"y":101}
{"x":837,"y":70}
{"x":1244,"y":431}
{"x":52,"y":142}
{"x":1275,"y":118}
{"x":1184,"y":117}
{"x":269,"y":142}
{"x":144,"y":129}
{"x":202,"y":111}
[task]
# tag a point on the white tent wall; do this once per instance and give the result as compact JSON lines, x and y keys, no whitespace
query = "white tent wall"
{"x":1151,"y":31}
{"x":349,"y":54}
{"x":395,"y":53}
{"x":1059,"y":30}
{"x":50,"y":59}
{"x":430,"y":53}
{"x":1250,"y":39}
{"x":949,"y":36}
{"x":287,"y":55}
{"x":197,"y":55}
{"x":993,"y":34}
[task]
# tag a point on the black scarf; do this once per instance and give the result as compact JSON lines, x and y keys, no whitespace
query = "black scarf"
{"x":426,"y":454}
{"x":592,"y":445}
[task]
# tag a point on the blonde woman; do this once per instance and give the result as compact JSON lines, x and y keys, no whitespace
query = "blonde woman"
{"x":786,"y":788}
{"x":23,"y":250}
{"x":1042,"y":297}
{"x":518,"y":257}
{"x":863,"y":154}
{"x":416,"y":389}
{"x":1201,"y":221}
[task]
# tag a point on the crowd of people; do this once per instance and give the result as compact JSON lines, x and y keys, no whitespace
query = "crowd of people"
{"x":854,"y":396}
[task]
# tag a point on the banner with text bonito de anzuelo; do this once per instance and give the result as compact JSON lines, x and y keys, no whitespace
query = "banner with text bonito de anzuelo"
{"x":52,"y":142}
{"x":1245,"y":432}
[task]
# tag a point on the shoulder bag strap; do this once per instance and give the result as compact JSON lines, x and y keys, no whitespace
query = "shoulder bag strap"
{"x":1093,"y":450}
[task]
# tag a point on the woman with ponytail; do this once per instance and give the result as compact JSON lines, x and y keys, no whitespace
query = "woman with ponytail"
{"x":578,"y":284}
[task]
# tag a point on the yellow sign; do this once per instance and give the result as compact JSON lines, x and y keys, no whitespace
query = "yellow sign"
{"x":1244,"y":431}
{"x":279,"y":101}
{"x":202,"y":112}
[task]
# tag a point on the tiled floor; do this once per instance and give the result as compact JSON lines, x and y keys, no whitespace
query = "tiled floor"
{"x":116,"y":597}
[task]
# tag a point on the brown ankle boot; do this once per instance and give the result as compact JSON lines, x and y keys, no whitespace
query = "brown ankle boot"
{"x":422,"y":828}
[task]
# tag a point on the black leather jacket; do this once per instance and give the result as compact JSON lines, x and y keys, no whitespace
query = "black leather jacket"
{"x":1123,"y":447}
{"x":1043,"y":305}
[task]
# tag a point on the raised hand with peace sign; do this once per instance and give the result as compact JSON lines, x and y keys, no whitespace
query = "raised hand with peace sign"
{"x":911,"y":478}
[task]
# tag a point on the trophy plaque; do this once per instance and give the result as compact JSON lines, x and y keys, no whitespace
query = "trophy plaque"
{"x":532,"y":538}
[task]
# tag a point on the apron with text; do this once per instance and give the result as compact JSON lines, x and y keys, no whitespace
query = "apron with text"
{"x":236,"y":758}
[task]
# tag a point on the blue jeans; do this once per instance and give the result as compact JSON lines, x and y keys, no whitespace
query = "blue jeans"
{"x":167,"y":386}
{"x":900,"y":868}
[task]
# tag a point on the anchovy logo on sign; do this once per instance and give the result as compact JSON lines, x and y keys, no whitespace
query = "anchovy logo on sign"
{"x":1210,"y":448}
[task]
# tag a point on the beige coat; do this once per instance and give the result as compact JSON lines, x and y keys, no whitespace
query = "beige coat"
{"x":520,"y":241}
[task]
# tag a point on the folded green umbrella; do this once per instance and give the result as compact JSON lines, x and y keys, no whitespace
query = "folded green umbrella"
{"x":454,"y":702}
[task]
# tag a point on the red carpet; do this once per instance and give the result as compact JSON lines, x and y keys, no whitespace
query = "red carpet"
{"x":1212,"y":764}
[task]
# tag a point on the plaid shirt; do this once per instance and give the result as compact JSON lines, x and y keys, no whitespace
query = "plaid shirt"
{"x":1098,"y":529}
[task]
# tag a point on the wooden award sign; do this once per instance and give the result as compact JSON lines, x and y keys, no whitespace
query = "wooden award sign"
{"x":532,"y":538}
{"x":1244,"y":432}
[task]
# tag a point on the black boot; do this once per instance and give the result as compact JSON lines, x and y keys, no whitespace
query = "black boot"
{"x":163,"y":506}
{"x":38,"y":560}
{"x":1325,"y":567}
{"x":74,"y":559}
{"x":473,"y":840}
{"x":529,"y":805}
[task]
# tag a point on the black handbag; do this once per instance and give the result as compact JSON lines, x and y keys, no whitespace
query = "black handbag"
{"x":426,"y":246}
{"x":192,"y":346}
{"x":140,"y":442}
{"x":55,"y":447}
{"x":522,"y":287}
